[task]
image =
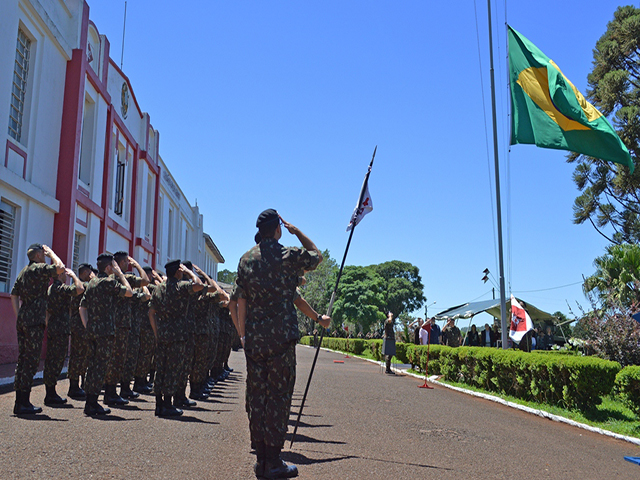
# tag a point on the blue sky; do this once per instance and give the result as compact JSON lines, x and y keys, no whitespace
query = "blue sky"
{"x":280,"y":104}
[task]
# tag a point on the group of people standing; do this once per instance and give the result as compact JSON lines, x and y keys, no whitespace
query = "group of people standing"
{"x":124,"y":328}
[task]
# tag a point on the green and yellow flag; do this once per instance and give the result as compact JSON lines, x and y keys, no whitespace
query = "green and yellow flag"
{"x":548,"y":111}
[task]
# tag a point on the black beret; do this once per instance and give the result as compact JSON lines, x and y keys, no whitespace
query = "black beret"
{"x":85,"y":265}
{"x":258,"y":238}
{"x":35,"y":246}
{"x":267,"y":218}
{"x":105,"y":257}
{"x":188,"y":264}
{"x":172,"y":264}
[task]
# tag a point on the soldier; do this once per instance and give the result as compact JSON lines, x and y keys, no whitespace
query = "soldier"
{"x":115,"y":368}
{"x":97,"y":311}
{"x":59,"y":298}
{"x":265,"y":290}
{"x":79,"y":341}
{"x":140,"y":302}
{"x":167,"y":314}
{"x":147,"y":338}
{"x":200,"y":309}
{"x":29,"y":302}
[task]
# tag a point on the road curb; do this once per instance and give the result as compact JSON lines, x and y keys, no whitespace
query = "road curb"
{"x":517,"y":406}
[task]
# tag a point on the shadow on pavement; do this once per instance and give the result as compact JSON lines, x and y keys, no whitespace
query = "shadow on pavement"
{"x":40,"y":417}
{"x":188,"y":419}
{"x":299,"y":459}
{"x":113,"y":418}
{"x":290,"y":456}
{"x":305,"y":438}
{"x":292,"y":422}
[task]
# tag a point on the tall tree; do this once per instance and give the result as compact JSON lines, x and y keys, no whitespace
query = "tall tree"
{"x":617,"y":276}
{"x":227,"y":276}
{"x":316,"y":290}
{"x":610,"y":195}
{"x":403,"y":286}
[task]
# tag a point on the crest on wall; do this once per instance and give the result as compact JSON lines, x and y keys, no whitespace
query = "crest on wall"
{"x":124,"y":99}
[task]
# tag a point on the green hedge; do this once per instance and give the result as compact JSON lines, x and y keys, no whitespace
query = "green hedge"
{"x":570,"y":381}
{"x":628,"y":387}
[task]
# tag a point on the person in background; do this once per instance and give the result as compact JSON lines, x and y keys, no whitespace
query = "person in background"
{"x":435,"y":333}
{"x":389,"y":342}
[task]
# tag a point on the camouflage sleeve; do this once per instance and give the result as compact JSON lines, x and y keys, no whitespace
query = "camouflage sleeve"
{"x":118,"y":289}
{"x":50,"y":270}
{"x":185,"y":286}
{"x":83,"y":301}
{"x":296,"y":295}
{"x":17,"y":287}
{"x":133,"y":280}
{"x":238,"y":291}
{"x":155,"y":301}
{"x":69,"y":290}
{"x":303,"y":259}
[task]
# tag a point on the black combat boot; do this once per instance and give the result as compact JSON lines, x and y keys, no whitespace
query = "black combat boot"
{"x":180,"y":400}
{"x":75,"y":391}
{"x":198,"y":392}
{"x":112,"y":398}
{"x":159,"y":405}
{"x":126,"y":392}
{"x":274,"y":466}
{"x":52,"y":398}
{"x":228,"y":368}
{"x":258,"y":468}
{"x":141,"y":386}
{"x":168,"y":410}
{"x":92,"y":407}
{"x":23,"y":405}
{"x":152,"y":376}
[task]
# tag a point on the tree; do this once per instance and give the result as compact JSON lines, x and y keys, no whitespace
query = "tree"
{"x":617,"y":276}
{"x":360,"y":299}
{"x":611,"y":195}
{"x":403,"y":286}
{"x":227,"y":276}
{"x":317,"y":290}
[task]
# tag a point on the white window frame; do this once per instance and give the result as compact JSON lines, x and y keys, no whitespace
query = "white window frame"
{"x":8,"y":229}
{"x":19,"y":94}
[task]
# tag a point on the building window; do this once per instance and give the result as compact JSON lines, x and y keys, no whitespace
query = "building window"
{"x":86,"y":145}
{"x":7,"y":232}
{"x":170,"y":234}
{"x":150,"y":207}
{"x":118,"y":205}
{"x":78,"y":250}
{"x":19,"y":88}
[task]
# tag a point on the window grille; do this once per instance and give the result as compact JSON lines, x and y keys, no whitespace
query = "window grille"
{"x":19,"y":88}
{"x":7,"y":232}
{"x":76,"y":251}
{"x":120,"y":174}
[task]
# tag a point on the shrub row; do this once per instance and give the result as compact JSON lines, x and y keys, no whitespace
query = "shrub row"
{"x":628,"y":387}
{"x":574,"y":382}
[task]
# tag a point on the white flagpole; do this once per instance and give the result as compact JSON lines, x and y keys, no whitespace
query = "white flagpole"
{"x":503,"y":301}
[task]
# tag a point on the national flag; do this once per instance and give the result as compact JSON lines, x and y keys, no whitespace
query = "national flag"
{"x":520,"y":321}
{"x":548,"y":111}
{"x":361,"y":210}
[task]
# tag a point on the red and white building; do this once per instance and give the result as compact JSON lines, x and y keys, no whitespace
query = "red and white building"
{"x":81,"y":169}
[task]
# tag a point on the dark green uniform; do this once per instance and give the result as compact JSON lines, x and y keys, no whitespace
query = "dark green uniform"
{"x":267,"y":279}
{"x":99,"y":299}
{"x":59,"y":298}
{"x":201,"y":306}
{"x":118,"y":356}
{"x":147,"y":339}
{"x":133,"y":347}
{"x":171,"y":301}
{"x":79,"y":342}
{"x":31,"y":286}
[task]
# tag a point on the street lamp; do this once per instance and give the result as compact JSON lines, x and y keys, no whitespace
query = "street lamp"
{"x":426,"y":317}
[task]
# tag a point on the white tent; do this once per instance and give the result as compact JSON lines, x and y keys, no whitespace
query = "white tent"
{"x":492,"y":307}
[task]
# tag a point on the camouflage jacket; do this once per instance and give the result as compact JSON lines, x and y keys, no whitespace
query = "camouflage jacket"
{"x":138,"y":306}
{"x":171,"y":302}
{"x":99,"y":300}
{"x":267,"y":279}
{"x":59,"y":298}
{"x":31,"y":286}
{"x":143,"y":310}
{"x":74,"y":310}
{"x":123,"y":304}
{"x":199,"y":309}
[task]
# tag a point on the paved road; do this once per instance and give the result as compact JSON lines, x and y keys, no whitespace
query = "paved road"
{"x":358,"y":424}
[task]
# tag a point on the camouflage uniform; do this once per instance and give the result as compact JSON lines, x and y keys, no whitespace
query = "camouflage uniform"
{"x":200,"y":311}
{"x":59,"y":298}
{"x":171,"y":301}
{"x":118,"y":356}
{"x":79,"y":342}
{"x":99,"y":299}
{"x":214,"y":337}
{"x":147,"y":339}
{"x":225,"y":339}
{"x":31,"y":286}
{"x":133,"y":346}
{"x":267,"y":279}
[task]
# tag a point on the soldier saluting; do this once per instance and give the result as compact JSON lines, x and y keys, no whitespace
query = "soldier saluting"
{"x":29,"y":301}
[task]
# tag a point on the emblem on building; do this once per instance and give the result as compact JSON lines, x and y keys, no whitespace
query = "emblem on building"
{"x":124,"y":100}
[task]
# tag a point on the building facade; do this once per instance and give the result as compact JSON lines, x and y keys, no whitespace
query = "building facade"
{"x":82,"y":170}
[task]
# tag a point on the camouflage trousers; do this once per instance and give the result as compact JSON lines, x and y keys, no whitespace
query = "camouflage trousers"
{"x":115,"y":366}
{"x":146,"y":353}
{"x":187,"y":364}
{"x":270,"y":382}
{"x":200,"y":357}
{"x":132,"y":358}
{"x":169,"y":366}
{"x":57,"y":347}
{"x":78,"y":356}
{"x":213,"y":350}
{"x":98,"y":355}
{"x":29,"y":347}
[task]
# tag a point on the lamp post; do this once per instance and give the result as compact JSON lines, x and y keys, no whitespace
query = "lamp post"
{"x":426,"y":317}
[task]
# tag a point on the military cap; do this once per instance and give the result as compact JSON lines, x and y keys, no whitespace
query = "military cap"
{"x":172,"y":267}
{"x":267,"y":218}
{"x":105,"y":257}
{"x":188,"y":264}
{"x":35,"y":246}
{"x":84,"y":266}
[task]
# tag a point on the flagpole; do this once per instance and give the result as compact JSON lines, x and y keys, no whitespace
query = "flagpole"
{"x":503,"y":301}
{"x":333,"y":295}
